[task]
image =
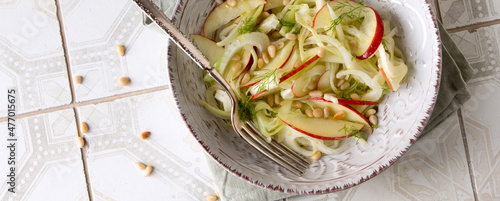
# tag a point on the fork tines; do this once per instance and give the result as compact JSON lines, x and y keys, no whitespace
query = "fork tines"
{"x":277,"y":152}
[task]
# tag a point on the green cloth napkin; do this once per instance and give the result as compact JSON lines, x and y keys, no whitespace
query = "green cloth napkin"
{"x":453,"y":92}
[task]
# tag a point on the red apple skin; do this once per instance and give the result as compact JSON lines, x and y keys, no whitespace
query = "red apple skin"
{"x":386,"y":79}
{"x":377,"y":38}
{"x":317,"y":136}
{"x":249,"y":85}
{"x":288,"y":58}
{"x":301,"y":67}
{"x":257,"y":95}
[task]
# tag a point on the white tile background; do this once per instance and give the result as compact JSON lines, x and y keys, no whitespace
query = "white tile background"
{"x":459,"y":160}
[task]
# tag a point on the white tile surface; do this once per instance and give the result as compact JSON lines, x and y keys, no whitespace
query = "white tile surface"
{"x":435,"y":168}
{"x":31,"y":56}
{"x":481,"y":124}
{"x":93,"y":28}
{"x":47,"y":159}
{"x":460,"y":13}
{"x":180,"y":171}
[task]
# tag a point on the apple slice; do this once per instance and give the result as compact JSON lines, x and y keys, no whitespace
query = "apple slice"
{"x":324,"y":81}
{"x":371,"y":29}
{"x":223,"y":13}
{"x":298,"y":69}
{"x":307,"y":82}
{"x":320,"y":128}
{"x":208,"y":47}
{"x":351,"y":114}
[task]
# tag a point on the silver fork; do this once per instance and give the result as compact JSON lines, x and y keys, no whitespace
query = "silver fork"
{"x":280,"y":154}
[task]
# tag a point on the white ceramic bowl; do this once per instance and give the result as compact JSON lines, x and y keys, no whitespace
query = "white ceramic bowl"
{"x":402,"y":114}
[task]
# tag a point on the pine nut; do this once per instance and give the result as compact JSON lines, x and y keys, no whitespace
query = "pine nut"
{"x":297,"y":63}
{"x":297,"y":104}
{"x":84,"y":127}
{"x":272,"y":51}
{"x":316,"y":156}
{"x":145,"y":135}
{"x":245,"y":79}
{"x":148,"y":171}
{"x":260,"y":63}
{"x":309,"y":112}
{"x":237,"y":67}
{"x":321,"y":52}
{"x":340,"y":82}
{"x":277,"y":99}
{"x":318,"y":112}
{"x":121,"y":50}
{"x":140,"y":166}
{"x":316,"y":93}
{"x":345,"y":86}
{"x":290,"y":36}
{"x":355,"y":96}
{"x":123,"y":81}
{"x":342,"y":77}
{"x":80,"y":141}
{"x":353,"y":44}
{"x":270,"y":100}
{"x":231,"y":3}
{"x":236,"y":58}
{"x":276,"y":34}
{"x":286,"y":2}
{"x":280,"y":45}
{"x":265,"y":56}
{"x":78,"y":79}
{"x":339,"y":115}
{"x":326,"y":112}
{"x":370,"y":112}
{"x":211,"y":197}
{"x":373,"y":119}
{"x":265,"y":14}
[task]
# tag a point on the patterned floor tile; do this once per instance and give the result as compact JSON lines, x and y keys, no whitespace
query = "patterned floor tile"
{"x":47,"y":159}
{"x":482,"y":49}
{"x":459,"y":13}
{"x":180,"y":171}
{"x":93,"y":28}
{"x":481,"y":125}
{"x":435,"y":168}
{"x":31,"y":56}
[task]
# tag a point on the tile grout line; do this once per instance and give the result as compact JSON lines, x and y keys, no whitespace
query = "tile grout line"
{"x":89,"y":102}
{"x":83,"y":150}
{"x":467,"y":153}
{"x":474,"y":26}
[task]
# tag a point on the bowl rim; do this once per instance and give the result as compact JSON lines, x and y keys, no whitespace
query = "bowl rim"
{"x":177,"y":19}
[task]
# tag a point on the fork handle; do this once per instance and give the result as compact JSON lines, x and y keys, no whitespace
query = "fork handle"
{"x":175,"y":35}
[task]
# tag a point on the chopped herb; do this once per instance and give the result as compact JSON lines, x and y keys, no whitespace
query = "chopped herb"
{"x":357,"y":88}
{"x":287,"y":23}
{"x":385,"y":90}
{"x":354,"y":132}
{"x":248,"y":27}
{"x":384,"y":43}
{"x":266,"y":80}
{"x":375,"y":126}
{"x":352,"y":13}
{"x":247,"y":109}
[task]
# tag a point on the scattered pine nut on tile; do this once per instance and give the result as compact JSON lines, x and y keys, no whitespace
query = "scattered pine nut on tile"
{"x":80,"y":141}
{"x":145,"y":135}
{"x":140,"y":166}
{"x":211,"y":198}
{"x":148,"y":170}
{"x":123,"y":81}
{"x":84,"y":127}
{"x":78,"y":79}
{"x":121,"y":50}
